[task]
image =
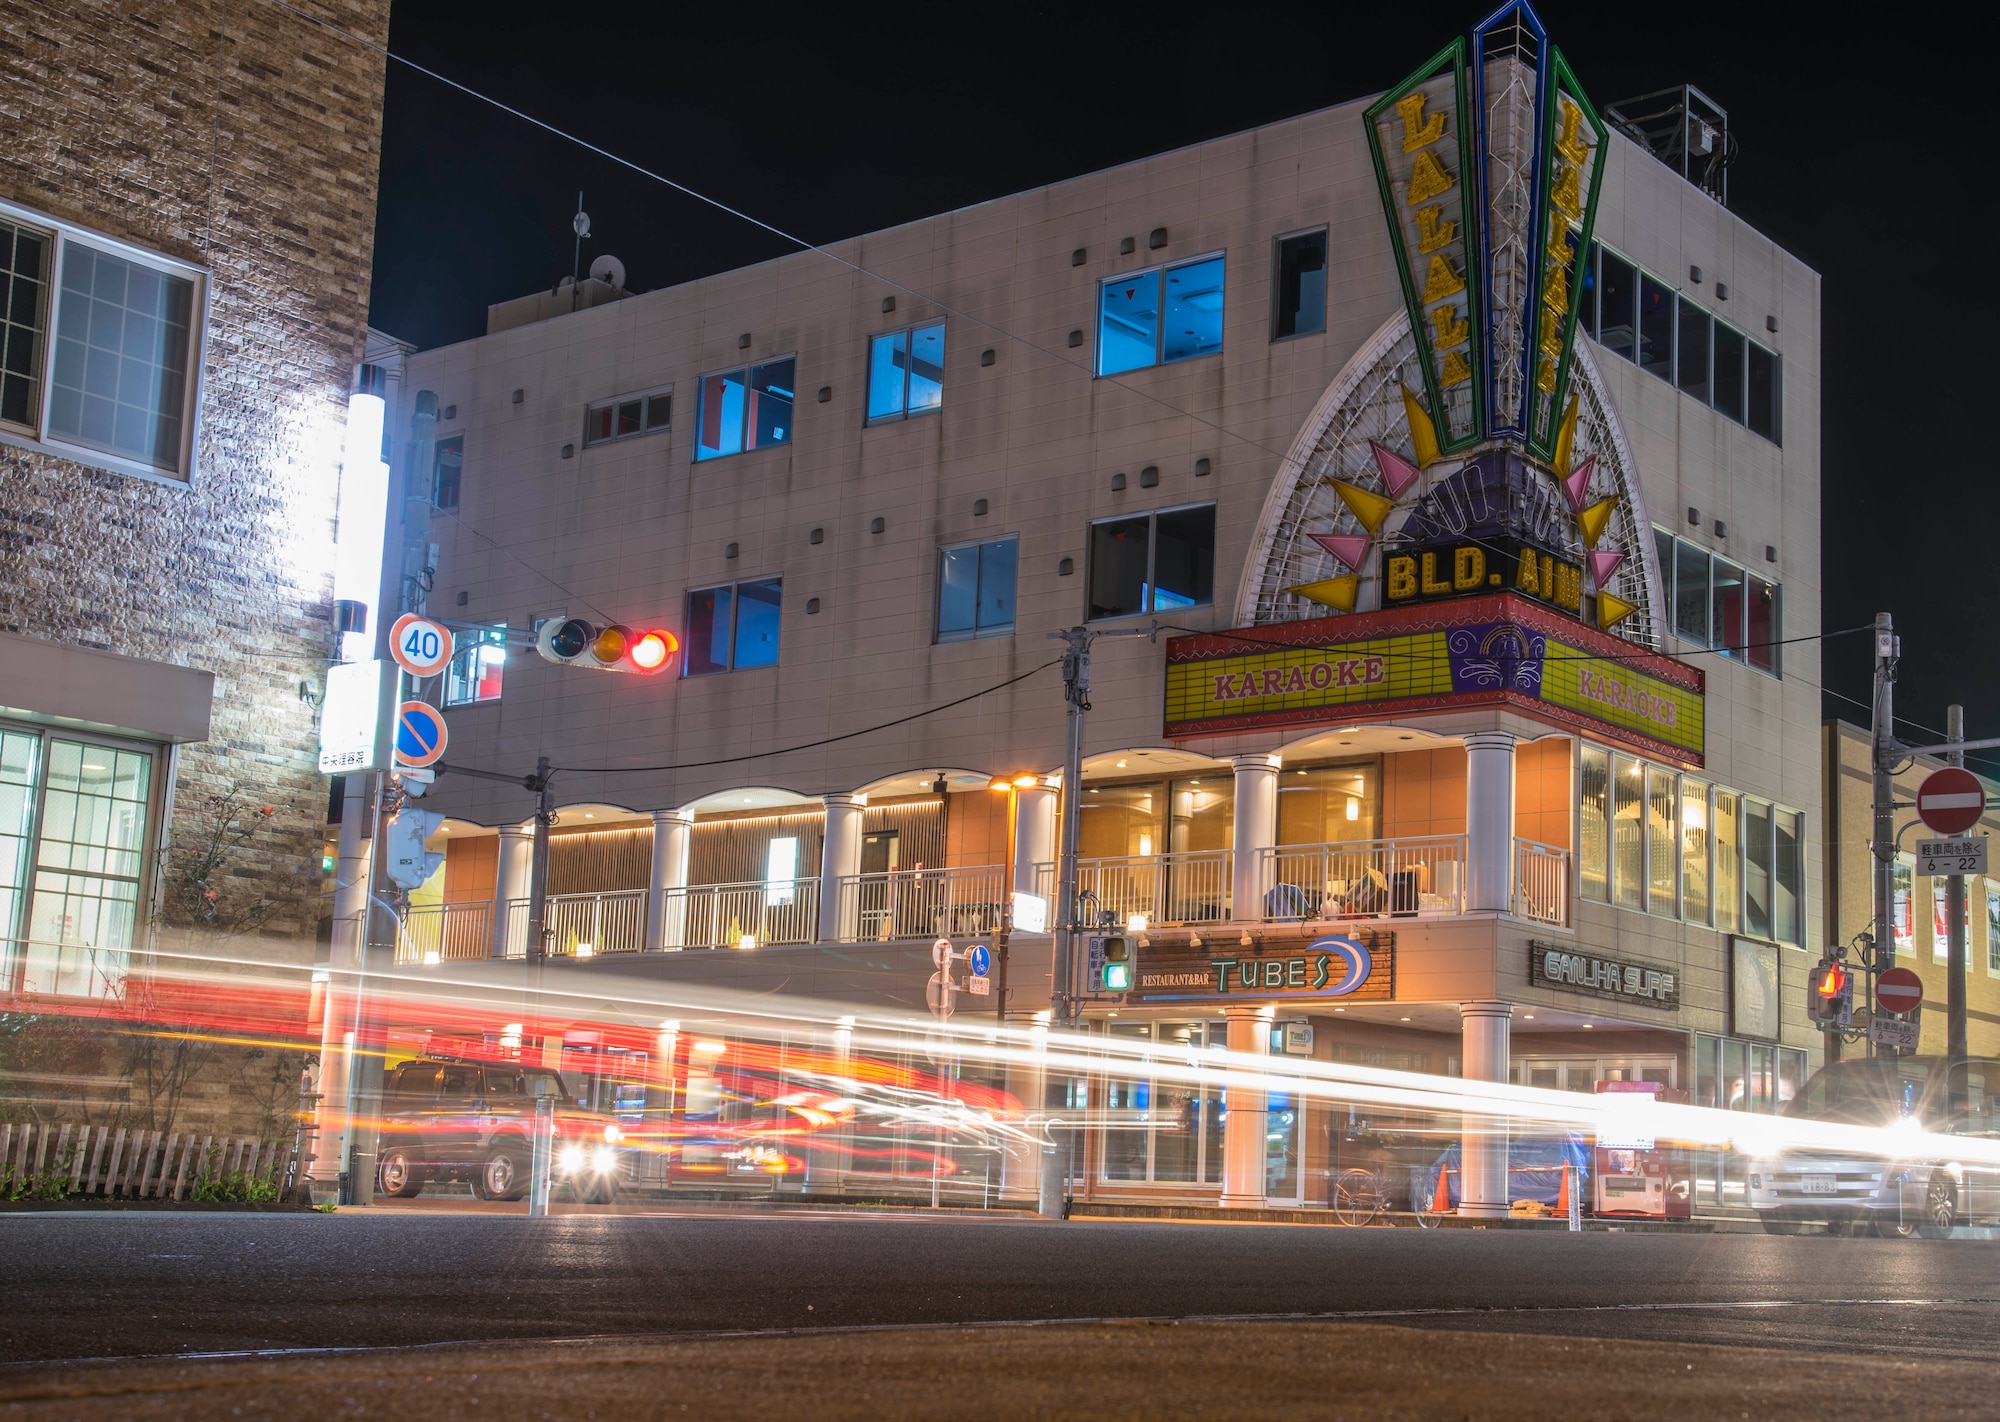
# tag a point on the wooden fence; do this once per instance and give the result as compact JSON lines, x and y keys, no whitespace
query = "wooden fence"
{"x":133,"y":1165}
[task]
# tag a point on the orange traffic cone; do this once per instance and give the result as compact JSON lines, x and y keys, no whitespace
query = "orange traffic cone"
{"x":1441,"y":1202}
{"x":1562,"y":1194}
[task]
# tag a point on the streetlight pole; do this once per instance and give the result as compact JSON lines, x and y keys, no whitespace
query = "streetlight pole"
{"x":1954,"y":907}
{"x":1882,"y":750}
{"x":1063,"y":998}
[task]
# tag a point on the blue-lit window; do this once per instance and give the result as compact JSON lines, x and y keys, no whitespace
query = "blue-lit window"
{"x":748,"y":408}
{"x":733,"y":628}
{"x":905,"y":372}
{"x":976,"y":589}
{"x":1157,"y":316}
{"x":1155,"y":562}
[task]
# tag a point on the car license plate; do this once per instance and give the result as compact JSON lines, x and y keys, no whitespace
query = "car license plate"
{"x":1818,"y":1184}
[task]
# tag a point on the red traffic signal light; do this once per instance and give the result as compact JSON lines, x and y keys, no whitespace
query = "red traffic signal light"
{"x":1830,"y":994}
{"x":1830,"y":981}
{"x":615,"y":647}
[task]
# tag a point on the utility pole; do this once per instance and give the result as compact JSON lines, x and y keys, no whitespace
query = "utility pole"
{"x":1064,"y":1001}
{"x":1882,"y":751}
{"x":1954,"y":907}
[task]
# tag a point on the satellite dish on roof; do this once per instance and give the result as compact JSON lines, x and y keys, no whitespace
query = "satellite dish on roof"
{"x":609,"y":269}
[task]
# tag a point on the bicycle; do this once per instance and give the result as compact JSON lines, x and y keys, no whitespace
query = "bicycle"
{"x":1358,"y":1197}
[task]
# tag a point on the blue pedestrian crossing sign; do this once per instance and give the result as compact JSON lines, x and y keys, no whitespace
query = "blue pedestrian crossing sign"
{"x":979,"y":960}
{"x":420,"y":733}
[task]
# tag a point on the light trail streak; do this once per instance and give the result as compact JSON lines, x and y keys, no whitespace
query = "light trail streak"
{"x":894,"y":1072}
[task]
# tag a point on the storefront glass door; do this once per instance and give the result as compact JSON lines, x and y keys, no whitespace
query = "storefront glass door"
{"x":1161,"y":1132}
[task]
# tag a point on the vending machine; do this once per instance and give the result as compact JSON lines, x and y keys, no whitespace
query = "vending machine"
{"x":1632,"y":1173}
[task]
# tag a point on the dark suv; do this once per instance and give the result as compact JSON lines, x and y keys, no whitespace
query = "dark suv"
{"x":456,"y":1120}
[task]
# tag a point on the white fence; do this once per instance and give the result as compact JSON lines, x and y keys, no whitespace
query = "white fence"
{"x":1367,"y":878}
{"x":434,"y":933}
{"x":1166,"y":888}
{"x":51,"y":1162}
{"x":922,"y":903}
{"x":725,"y":915}
{"x":1541,"y":882}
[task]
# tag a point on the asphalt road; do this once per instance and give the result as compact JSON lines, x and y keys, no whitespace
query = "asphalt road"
{"x":120,"y":1285}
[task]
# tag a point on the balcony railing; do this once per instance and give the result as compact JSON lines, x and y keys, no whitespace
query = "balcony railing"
{"x":722,"y":915}
{"x":1167,"y":888}
{"x":583,"y":925}
{"x":922,"y":903}
{"x":62,"y":969}
{"x":1369,"y":878}
{"x":437,"y":933}
{"x":1541,"y":882}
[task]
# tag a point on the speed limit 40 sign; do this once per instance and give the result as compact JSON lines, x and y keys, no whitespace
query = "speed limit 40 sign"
{"x":420,"y":646}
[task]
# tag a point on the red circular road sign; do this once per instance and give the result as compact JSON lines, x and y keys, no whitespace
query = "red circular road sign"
{"x":1951,"y":800}
{"x":1899,"y":990}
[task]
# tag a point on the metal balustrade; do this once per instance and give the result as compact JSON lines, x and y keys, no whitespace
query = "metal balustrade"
{"x":723,"y":915}
{"x":1188,"y":888}
{"x":581,"y":925}
{"x":922,"y":903}
{"x":1541,"y":882}
{"x":1368,"y":878}
{"x":436,"y":933}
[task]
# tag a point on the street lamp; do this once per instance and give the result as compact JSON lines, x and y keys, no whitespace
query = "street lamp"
{"x":1011,"y":788}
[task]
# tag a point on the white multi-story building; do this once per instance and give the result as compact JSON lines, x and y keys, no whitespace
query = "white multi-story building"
{"x":1464,"y":455}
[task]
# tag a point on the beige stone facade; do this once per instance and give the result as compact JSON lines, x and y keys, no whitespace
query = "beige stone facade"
{"x":234,"y":148}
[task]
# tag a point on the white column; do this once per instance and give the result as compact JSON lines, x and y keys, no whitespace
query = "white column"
{"x":1256,"y":829}
{"x":673,"y":837}
{"x":1243,"y":1127}
{"x":1486,"y":1028}
{"x":1034,"y":835}
{"x":839,"y":858}
{"x":341,"y":998}
{"x":510,"y":886}
{"x":1027,"y":1083}
{"x":1489,"y":821}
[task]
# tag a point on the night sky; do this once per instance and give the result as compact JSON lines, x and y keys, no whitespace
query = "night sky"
{"x":830,"y":121}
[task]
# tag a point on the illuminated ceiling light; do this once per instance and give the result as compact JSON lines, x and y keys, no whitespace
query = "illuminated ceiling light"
{"x":1001,"y":784}
{"x":1403,"y":1019}
{"x":1024,"y":782}
{"x":710,"y":1049}
{"x":1353,"y":808}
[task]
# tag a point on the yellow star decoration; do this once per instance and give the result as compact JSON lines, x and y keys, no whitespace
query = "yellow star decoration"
{"x":1612,"y":610}
{"x":1590,"y":523}
{"x":1565,"y":438}
{"x":1336,"y":593}
{"x":1423,"y":434}
{"x":1369,"y":508}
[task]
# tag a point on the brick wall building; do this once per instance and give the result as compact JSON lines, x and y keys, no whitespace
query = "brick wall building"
{"x":187,"y":210}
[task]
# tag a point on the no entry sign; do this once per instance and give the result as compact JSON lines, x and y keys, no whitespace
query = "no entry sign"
{"x":1951,"y":800}
{"x":1899,"y":990}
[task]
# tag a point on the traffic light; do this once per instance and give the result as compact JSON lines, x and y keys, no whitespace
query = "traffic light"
{"x":408,"y":864}
{"x":1110,"y":964}
{"x":572,"y":642}
{"x":1830,"y":994}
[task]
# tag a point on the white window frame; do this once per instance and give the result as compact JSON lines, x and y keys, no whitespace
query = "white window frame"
{"x":616,"y":400}
{"x":37,"y":439}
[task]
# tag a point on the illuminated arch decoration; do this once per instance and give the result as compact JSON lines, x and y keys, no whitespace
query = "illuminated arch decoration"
{"x":1363,"y":464}
{"x":1469,"y":448}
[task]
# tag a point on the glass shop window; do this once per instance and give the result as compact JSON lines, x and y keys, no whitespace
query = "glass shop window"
{"x":1691,"y":592}
{"x":1656,"y":326}
{"x":1662,"y":841}
{"x":975,"y":596}
{"x":1328,"y":804}
{"x":1299,"y":293}
{"x":905,"y":372}
{"x":1121,"y":821}
{"x":1694,"y":850}
{"x":1593,"y":775}
{"x":1628,"y":833}
{"x":1756,"y":868}
{"x":748,"y":408}
{"x":1692,"y":362}
{"x":1729,"y":367}
{"x":733,"y":628}
{"x":1155,"y":562}
{"x":447,"y":465}
{"x":1788,"y":874}
{"x":1726,"y":604}
{"x":1159,"y":316}
{"x":1728,"y":861}
{"x":1202,"y":812}
{"x":1763,"y":402}
{"x":1618,"y":305}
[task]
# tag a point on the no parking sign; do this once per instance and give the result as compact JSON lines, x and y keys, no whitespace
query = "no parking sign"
{"x":420,"y":733}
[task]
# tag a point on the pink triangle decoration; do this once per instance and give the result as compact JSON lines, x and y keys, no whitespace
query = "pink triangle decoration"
{"x":1577,"y":486}
{"x":1603,"y":565}
{"x":1397,"y":472}
{"x":1349,"y":548}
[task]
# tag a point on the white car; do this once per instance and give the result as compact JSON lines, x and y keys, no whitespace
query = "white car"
{"x":1893,"y":1194}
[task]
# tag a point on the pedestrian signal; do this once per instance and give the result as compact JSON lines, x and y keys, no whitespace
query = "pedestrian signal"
{"x":1110,"y":964}
{"x":1830,"y":994}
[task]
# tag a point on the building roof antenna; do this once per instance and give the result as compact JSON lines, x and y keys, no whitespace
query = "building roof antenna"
{"x":580,"y":224}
